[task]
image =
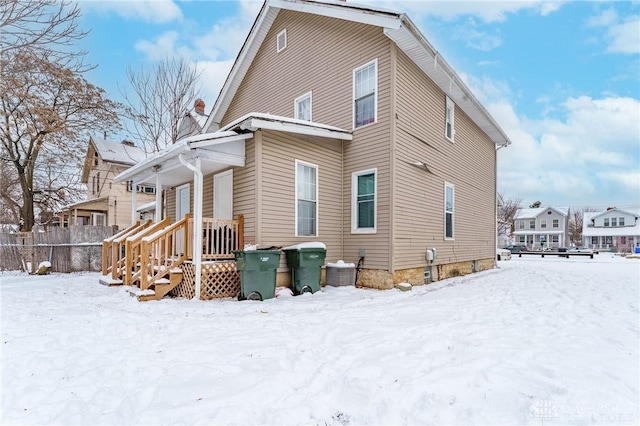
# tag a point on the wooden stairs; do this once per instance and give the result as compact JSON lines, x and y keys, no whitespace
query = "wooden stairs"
{"x":160,"y":288}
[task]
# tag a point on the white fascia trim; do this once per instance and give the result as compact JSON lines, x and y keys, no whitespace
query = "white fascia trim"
{"x":422,"y":44}
{"x":217,"y":141}
{"x":180,"y":147}
{"x":347,"y":12}
{"x":256,"y":123}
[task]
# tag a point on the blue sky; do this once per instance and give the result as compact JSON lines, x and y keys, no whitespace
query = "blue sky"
{"x":561,"y":78}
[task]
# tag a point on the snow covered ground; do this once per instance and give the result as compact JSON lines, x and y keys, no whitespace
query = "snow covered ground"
{"x":535,"y":341}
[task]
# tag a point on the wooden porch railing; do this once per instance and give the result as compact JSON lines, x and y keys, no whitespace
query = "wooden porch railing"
{"x":219,"y":238}
{"x":133,"y":248}
{"x":118,"y":254}
{"x":107,"y":246}
{"x":107,"y":264}
{"x":163,"y":250}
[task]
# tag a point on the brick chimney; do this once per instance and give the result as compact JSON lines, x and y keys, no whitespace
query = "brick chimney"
{"x":198,"y":105}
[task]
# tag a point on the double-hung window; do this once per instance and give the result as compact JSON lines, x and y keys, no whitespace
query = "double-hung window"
{"x":543,"y":223}
{"x":306,"y":199}
{"x":614,"y":222}
{"x":450,"y":109}
{"x":302,"y":107}
{"x":449,"y":200}
{"x":606,"y":221}
{"x":532,"y":224}
{"x":363,"y":205}
{"x":555,"y":223}
{"x":621,"y":221}
{"x":365,"y":88}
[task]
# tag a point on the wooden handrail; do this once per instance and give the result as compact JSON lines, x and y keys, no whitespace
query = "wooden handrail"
{"x":163,"y":250}
{"x":117,"y":245}
{"x":132,"y":266}
{"x":107,"y":244}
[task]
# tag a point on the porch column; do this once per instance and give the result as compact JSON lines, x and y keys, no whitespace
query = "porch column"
{"x":197,"y":220}
{"x":158,"y":212}
{"x":134,"y":201}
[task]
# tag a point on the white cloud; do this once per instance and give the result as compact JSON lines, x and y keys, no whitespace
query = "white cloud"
{"x":155,"y":11}
{"x":587,"y":154}
{"x":625,"y":37}
{"x":606,"y":18}
{"x":163,"y":46}
{"x":475,"y":38}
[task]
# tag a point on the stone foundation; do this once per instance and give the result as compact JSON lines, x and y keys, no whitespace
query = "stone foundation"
{"x":383,"y":280}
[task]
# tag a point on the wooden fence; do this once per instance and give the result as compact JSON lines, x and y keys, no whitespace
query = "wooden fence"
{"x":72,"y":249}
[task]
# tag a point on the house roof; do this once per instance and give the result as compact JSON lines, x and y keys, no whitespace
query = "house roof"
{"x":221,"y":148}
{"x":532,"y":213}
{"x":116,"y":152}
{"x":622,"y":231}
{"x":397,"y":26}
{"x":93,"y":204}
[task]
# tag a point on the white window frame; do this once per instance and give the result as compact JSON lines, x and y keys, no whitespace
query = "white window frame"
{"x":449,"y":118}
{"x":555,"y":223}
{"x":451,"y":211}
{"x":298,"y":101}
{"x":95,"y":216}
{"x":614,"y":221}
{"x":521,"y":224}
{"x":354,"y":202}
{"x":532,"y":224}
{"x":279,"y":47}
{"x":606,"y":221}
{"x":621,"y":221}
{"x":375,"y":93}
{"x":543,"y":223}
{"x":297,"y":198}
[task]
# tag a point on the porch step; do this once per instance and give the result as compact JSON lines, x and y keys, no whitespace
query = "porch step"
{"x":109,"y":281}
{"x":162,"y":287}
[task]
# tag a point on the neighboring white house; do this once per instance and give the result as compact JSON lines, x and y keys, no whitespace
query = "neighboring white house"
{"x":545,"y":227}
{"x":612,"y":229}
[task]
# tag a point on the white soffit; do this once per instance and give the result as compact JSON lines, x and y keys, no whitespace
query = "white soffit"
{"x":418,"y":49}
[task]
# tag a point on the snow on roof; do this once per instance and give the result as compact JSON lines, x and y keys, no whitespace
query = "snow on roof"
{"x":147,"y":207}
{"x":605,"y":231}
{"x":201,"y":119}
{"x":281,"y":119}
{"x":116,"y":152}
{"x":531,"y":213}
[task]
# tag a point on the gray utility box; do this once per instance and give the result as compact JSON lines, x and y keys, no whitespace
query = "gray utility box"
{"x":341,"y":274}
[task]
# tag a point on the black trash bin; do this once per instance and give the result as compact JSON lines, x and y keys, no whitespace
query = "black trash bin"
{"x":258,"y":270}
{"x":306,"y":267}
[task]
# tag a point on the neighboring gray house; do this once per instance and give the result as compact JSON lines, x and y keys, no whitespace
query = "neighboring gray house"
{"x":341,"y":123}
{"x":545,"y":227}
{"x":612,"y":229}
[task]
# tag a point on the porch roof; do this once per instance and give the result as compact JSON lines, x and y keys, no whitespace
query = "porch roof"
{"x":221,"y":149}
{"x":95,"y":204}
{"x":217,"y":150}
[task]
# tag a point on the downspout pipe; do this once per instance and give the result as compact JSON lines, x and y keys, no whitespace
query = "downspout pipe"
{"x":197,"y":219}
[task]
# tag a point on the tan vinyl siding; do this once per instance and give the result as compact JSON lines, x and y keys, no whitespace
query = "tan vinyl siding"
{"x":244,"y":192}
{"x":170,"y":204}
{"x":275,"y":80}
{"x":207,"y":195}
{"x":468,"y":164}
{"x":280,"y":151}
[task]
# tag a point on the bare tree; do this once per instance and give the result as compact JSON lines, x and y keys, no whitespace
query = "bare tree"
{"x":158,"y":100}
{"x":507,"y":208}
{"x":576,"y":223}
{"x":47,"y":27}
{"x":46,"y":107}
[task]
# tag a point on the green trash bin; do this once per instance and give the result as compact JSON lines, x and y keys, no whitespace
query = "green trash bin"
{"x":306,"y":266}
{"x":257,"y":273}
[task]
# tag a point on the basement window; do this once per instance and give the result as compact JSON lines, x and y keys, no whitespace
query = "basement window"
{"x":281,"y":40}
